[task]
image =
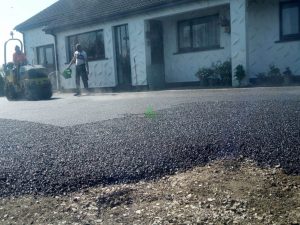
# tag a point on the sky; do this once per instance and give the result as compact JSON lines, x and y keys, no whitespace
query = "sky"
{"x":14,"y":12}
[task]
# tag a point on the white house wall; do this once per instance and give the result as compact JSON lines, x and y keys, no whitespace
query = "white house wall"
{"x":182,"y":67}
{"x":35,"y":38}
{"x":103,"y":73}
{"x":263,"y":32}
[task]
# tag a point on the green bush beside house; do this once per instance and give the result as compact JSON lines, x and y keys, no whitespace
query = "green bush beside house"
{"x":218,"y":74}
{"x":274,"y":77}
{"x":239,"y":73}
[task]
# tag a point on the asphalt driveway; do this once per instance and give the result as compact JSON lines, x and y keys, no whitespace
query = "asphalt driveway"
{"x":70,"y":143}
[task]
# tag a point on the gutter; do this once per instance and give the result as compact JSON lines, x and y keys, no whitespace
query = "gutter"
{"x":116,"y":16}
{"x":56,"y":60}
{"x":24,"y":42}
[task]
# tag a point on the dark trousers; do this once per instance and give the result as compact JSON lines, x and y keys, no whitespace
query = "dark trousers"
{"x":81,"y":72}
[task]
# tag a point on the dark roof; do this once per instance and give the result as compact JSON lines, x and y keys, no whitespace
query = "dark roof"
{"x":72,"y":13}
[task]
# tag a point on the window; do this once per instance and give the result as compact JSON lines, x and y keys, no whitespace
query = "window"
{"x":91,"y":42}
{"x":199,"y":34}
{"x":45,"y":56}
{"x":290,"y":20}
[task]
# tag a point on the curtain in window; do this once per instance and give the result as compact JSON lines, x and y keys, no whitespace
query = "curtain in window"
{"x":199,"y":33}
{"x":290,"y":20}
{"x":184,"y":35}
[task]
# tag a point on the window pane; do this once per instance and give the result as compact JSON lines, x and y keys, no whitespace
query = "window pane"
{"x":72,"y":44}
{"x":290,"y":20}
{"x":92,"y":43}
{"x":213,"y":32}
{"x":200,"y":37}
{"x":100,"y":50}
{"x":49,"y":56}
{"x":184,"y":35}
{"x":206,"y":32}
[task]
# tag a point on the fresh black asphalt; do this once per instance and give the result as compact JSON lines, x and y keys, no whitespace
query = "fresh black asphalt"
{"x":45,"y":159}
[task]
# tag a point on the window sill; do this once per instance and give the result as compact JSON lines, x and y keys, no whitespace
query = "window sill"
{"x":102,"y":59}
{"x":288,"y":40}
{"x":198,"y":50}
{"x":94,"y":60}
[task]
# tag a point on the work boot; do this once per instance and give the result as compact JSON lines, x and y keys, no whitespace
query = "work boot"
{"x":77,"y":94}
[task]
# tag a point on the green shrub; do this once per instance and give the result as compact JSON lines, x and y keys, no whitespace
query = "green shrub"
{"x":224,"y":70}
{"x":274,"y":71}
{"x":287,"y":76}
{"x":288,"y":72}
{"x":217,"y":74}
{"x":274,"y":76}
{"x":240,"y":73}
{"x":204,"y":74}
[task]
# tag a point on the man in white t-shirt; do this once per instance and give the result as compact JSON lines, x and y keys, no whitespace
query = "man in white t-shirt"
{"x":82,"y":68}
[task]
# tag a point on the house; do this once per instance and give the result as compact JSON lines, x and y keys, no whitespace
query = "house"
{"x":157,"y":43}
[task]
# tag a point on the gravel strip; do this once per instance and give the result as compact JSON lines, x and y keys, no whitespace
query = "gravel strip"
{"x":44,"y":159}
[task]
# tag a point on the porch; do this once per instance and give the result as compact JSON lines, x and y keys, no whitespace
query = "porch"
{"x":178,"y":45}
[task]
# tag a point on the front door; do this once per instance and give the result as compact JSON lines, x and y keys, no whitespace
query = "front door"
{"x":123,"y":57}
{"x":156,"y":78}
{"x":45,"y":57}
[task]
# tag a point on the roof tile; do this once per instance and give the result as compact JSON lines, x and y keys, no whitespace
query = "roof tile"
{"x":66,"y":13}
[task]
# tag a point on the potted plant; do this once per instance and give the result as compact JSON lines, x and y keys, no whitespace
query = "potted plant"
{"x":204,"y":75}
{"x":225,"y":72}
{"x":240,"y":73}
{"x":274,"y":75}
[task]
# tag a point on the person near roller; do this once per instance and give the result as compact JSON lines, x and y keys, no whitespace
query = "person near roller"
{"x":82,"y":68}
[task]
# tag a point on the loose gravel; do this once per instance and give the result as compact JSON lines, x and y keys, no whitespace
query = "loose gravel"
{"x":222,"y":192}
{"x":44,"y":159}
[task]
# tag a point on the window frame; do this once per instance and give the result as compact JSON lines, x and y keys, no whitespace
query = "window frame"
{"x":191,"y":23}
{"x":288,"y":37}
{"x":43,"y":47}
{"x":69,"y":50}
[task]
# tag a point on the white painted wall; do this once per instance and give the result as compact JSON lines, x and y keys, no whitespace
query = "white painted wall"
{"x":263,"y":32}
{"x":103,"y":73}
{"x":183,"y":67}
{"x":35,"y":38}
{"x":239,"y":43}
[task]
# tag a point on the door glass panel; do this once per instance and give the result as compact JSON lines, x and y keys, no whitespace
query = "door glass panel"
{"x":123,"y":55}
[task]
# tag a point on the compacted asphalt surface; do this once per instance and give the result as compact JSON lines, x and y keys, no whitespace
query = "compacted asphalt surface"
{"x":68,"y":143}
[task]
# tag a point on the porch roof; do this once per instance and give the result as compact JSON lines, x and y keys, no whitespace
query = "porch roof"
{"x":74,"y":13}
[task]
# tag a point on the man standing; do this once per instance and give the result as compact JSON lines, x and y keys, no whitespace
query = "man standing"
{"x":82,"y":68}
